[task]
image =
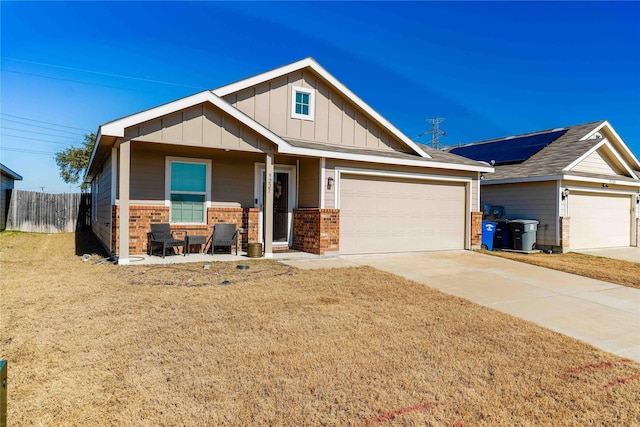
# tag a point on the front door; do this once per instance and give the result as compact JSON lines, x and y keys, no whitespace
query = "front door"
{"x":283,"y":202}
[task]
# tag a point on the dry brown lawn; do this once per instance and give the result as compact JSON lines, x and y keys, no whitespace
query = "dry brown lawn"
{"x":623,"y":273}
{"x":99,"y":345}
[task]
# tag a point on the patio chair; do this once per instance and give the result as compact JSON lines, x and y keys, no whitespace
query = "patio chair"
{"x":161,"y":236}
{"x":224,"y":235}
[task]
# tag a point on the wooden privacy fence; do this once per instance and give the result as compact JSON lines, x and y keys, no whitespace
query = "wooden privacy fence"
{"x":34,"y":212}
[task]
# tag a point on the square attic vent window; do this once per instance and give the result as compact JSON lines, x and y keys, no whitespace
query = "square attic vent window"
{"x":302,"y":103}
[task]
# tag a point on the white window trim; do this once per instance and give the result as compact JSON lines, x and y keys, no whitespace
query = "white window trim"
{"x":312,"y":103}
{"x":167,"y":185}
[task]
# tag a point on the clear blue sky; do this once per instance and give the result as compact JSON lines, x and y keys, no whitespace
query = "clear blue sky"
{"x":491,"y":69}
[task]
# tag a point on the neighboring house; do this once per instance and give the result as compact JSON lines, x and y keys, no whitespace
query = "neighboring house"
{"x":294,"y":158}
{"x":7,"y":178}
{"x":581,"y":182}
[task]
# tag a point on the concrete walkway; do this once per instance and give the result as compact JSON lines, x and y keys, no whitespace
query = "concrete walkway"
{"x":627,"y":253}
{"x":599,"y":313}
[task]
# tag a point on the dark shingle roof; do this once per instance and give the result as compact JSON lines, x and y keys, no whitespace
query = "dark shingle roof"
{"x":552,"y":158}
{"x":437,"y":155}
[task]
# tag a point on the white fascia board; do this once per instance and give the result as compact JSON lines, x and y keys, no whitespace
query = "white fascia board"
{"x":93,"y":154}
{"x":620,"y":159}
{"x":311,"y":63}
{"x":559,"y":177}
{"x":601,"y":180}
{"x":618,"y":141}
{"x":382,"y":160}
{"x":596,"y":129}
{"x":116,"y":128}
{"x":261,"y":78}
{"x":520,"y":180}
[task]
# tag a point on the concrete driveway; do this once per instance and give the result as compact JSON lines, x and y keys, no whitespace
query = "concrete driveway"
{"x":599,"y":313}
{"x":628,"y":253}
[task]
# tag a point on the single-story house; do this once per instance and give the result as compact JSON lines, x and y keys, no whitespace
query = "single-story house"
{"x":291,"y":156}
{"x":7,"y":179}
{"x":582,"y":183}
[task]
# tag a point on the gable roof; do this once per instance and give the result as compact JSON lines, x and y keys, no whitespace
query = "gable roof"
{"x":109,"y":132}
{"x":564,"y":148}
{"x":11,"y":174}
{"x":335,"y":83}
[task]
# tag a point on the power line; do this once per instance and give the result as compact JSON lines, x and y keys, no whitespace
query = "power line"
{"x":121,"y":76}
{"x":42,"y":127}
{"x":41,"y":121}
{"x":36,"y":139}
{"x":32,"y":131}
{"x":64,"y":80}
{"x":22,"y":150}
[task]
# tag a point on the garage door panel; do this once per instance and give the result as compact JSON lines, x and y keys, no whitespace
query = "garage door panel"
{"x":396,"y":215}
{"x":599,"y":220}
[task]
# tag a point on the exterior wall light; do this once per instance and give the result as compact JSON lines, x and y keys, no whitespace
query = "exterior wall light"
{"x":605,"y":185}
{"x":638,"y":199}
{"x":565,"y":193}
{"x":329,"y":183}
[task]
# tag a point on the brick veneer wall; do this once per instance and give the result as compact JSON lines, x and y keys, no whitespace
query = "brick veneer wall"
{"x":141,"y":218}
{"x":565,"y":233}
{"x":316,"y":231}
{"x":476,"y":230}
{"x":250,"y":218}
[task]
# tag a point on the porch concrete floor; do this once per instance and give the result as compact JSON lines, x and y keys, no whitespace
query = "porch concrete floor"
{"x":201,"y":258}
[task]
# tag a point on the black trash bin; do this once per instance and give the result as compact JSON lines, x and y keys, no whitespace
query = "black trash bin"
{"x":502,"y":236}
{"x":524,"y":233}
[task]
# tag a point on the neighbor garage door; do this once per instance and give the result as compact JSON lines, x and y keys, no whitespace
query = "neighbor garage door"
{"x":599,"y":220}
{"x":396,"y":215}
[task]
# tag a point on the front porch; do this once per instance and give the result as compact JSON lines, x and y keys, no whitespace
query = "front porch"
{"x":205,"y":259}
{"x":313,"y":231}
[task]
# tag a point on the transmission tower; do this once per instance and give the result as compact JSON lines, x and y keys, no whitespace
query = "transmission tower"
{"x":436,"y":133}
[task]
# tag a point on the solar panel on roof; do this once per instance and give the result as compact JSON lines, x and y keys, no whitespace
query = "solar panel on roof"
{"x":508,"y":151}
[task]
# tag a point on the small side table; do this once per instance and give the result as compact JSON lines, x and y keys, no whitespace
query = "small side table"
{"x":194,"y":240}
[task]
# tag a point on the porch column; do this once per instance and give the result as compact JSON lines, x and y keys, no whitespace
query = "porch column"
{"x":267,"y":216}
{"x":125,"y":169}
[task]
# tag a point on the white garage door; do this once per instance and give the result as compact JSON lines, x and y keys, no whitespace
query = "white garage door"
{"x":380,"y":215}
{"x":599,"y":220}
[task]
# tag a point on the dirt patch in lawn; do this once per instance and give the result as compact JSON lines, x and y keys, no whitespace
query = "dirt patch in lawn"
{"x":623,"y":273}
{"x":94,"y":344}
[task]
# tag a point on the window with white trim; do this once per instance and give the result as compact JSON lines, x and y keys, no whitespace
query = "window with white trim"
{"x":188,"y":190}
{"x":302,"y":103}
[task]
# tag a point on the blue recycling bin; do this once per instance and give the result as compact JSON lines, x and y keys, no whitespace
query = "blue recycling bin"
{"x":488,"y":229}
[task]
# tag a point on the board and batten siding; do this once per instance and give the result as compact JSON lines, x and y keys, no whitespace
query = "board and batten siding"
{"x":232,"y":174}
{"x":203,"y":125}
{"x":309,"y":183}
{"x":331,"y":165}
{"x":535,"y":200}
{"x":337,"y":120}
{"x":595,"y":163}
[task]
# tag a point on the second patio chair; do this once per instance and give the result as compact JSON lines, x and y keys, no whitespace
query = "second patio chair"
{"x":224,"y":235}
